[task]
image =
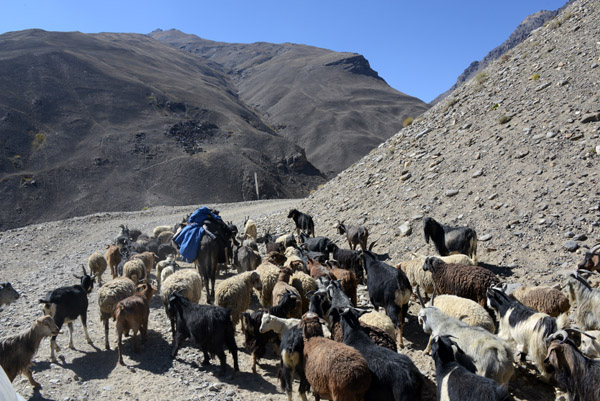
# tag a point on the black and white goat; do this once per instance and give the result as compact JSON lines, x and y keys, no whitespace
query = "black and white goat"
{"x":303,"y":221}
{"x":455,"y":382}
{"x":448,"y":240}
{"x":587,"y":299}
{"x":388,"y":288}
{"x":527,"y":328}
{"x":394,"y":376}
{"x":209,"y":326}
{"x":65,"y":304}
{"x":356,"y":235}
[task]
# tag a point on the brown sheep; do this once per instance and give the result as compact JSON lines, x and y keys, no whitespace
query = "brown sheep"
{"x":547,"y":300}
{"x":334,"y":370}
{"x":113,"y":258}
{"x":132,"y":314}
{"x":346,"y":278}
{"x":282,"y":286}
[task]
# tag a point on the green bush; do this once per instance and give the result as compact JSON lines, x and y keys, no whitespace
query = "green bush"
{"x":481,"y":77}
{"x":407,"y":121}
{"x":534,"y":77}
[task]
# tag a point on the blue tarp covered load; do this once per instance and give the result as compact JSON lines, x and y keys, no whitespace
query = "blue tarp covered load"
{"x":189,"y":237}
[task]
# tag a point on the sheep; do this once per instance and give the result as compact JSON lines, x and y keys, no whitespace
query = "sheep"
{"x":455,"y":382}
{"x":587,"y":299}
{"x":167,"y":271}
{"x":109,"y":295}
{"x":162,"y":265}
{"x":303,"y":222}
{"x":65,"y":304}
{"x":491,"y":355}
{"x":465,"y":310}
{"x":334,"y":370}
{"x":113,"y":258}
{"x":148,"y":258}
{"x":186,"y":281}
{"x":17,"y":351}
{"x":395,"y":376}
{"x":255,"y":341}
{"x":8,"y":294}
{"x":448,"y":240}
{"x":293,"y":257}
{"x":591,"y":260}
{"x":282,"y":286}
{"x":416,"y":275}
{"x":209,"y":326}
{"x":464,"y":281}
{"x":287,"y":240}
{"x":388,"y":288}
{"x":235,"y":293}
{"x":356,"y":235}
{"x":268,"y":273}
{"x":250,"y":229}
{"x":246,"y":259}
{"x":304,"y":284}
{"x":132,"y":314}
{"x":547,"y":300}
{"x":159,"y":229}
{"x":379,"y":320}
{"x":276,"y":258}
{"x":97,"y":265}
{"x":527,"y":328}
{"x":165,"y":237}
{"x":134,"y":269}
{"x":573,"y":372}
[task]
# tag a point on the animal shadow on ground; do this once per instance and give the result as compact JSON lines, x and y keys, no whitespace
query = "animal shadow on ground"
{"x":37,"y":396}
{"x":154,"y":356}
{"x":255,"y":382}
{"x":526,"y":385}
{"x":413,"y":332}
{"x":156,"y":302}
{"x":501,"y":271}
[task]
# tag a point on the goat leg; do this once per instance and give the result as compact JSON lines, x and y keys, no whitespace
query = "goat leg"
{"x":70,"y":325}
{"x":34,"y":383}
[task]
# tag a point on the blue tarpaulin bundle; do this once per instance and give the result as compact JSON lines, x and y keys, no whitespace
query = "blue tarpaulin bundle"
{"x":189,"y":237}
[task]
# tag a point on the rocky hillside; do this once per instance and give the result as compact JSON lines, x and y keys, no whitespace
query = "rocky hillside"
{"x":529,"y":24}
{"x":104,"y":122}
{"x":513,"y":153}
{"x":332,"y":104}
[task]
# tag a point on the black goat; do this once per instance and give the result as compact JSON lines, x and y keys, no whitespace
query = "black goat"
{"x":317,"y":244}
{"x":356,"y":235}
{"x":350,"y":260}
{"x":304,"y":222}
{"x":394,"y":376}
{"x":388,"y":288}
{"x":255,"y":341}
{"x":65,"y":304}
{"x":209,"y":326}
{"x":455,"y":382}
{"x":292,"y":362}
{"x":448,"y":240}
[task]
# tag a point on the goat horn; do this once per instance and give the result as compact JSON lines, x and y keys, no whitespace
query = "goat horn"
{"x":83,"y":268}
{"x":595,"y":248}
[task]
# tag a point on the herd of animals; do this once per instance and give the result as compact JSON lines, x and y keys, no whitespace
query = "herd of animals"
{"x":307,"y":286}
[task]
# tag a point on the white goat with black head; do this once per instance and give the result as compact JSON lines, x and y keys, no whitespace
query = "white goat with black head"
{"x":527,"y":328}
{"x":448,"y":240}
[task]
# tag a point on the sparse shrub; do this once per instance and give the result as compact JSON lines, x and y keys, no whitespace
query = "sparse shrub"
{"x":40,"y":138}
{"x":481,"y":77}
{"x":534,"y":77}
{"x":494,"y":106}
{"x":505,"y":57}
{"x":504,"y":119}
{"x":407,"y":121}
{"x":450,"y":103}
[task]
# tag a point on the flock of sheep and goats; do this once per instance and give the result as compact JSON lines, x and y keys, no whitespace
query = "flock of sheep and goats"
{"x":307,"y":286}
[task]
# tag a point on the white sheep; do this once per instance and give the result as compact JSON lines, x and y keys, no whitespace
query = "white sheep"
{"x":109,"y":296}
{"x":134,"y":269}
{"x":379,"y":320}
{"x":465,"y":310}
{"x":280,"y":325}
{"x":293,"y":259}
{"x":97,"y":265}
{"x":160,"y":266}
{"x":416,"y":275}
{"x":186,"y":281}
{"x":236,"y":292}
{"x":268,"y":273}
{"x":159,"y":229}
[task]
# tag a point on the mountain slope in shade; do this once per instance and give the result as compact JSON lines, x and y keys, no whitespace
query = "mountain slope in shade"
{"x":102,"y":122}
{"x":332,"y":104}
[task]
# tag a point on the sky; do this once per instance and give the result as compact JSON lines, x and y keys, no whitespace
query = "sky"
{"x":418,"y":47}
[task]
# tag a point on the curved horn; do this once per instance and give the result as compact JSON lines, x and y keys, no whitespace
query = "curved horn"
{"x":595,"y":248}
{"x":372,"y":245}
{"x":83,"y":268}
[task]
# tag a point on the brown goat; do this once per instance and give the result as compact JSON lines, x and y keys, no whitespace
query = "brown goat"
{"x":346,"y":278}
{"x":17,"y":351}
{"x":113,"y":258}
{"x":334,"y":370}
{"x":317,"y":270}
{"x":132,"y":314}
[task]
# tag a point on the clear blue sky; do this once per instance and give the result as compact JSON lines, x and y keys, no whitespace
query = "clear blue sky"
{"x":418,"y":47}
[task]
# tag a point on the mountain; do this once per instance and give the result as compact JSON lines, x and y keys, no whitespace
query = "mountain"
{"x":515,"y":154}
{"x":105,"y":122}
{"x":528,"y":25}
{"x":330,"y":103}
